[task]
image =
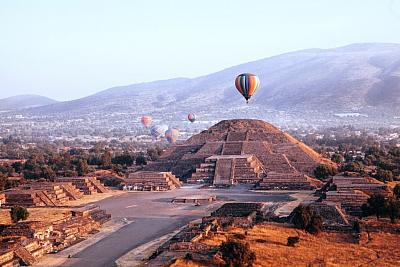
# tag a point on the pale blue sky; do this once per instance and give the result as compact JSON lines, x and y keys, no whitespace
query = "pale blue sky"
{"x":70,"y":49}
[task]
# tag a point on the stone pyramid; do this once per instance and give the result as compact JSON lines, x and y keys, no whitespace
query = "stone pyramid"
{"x":243,"y":151}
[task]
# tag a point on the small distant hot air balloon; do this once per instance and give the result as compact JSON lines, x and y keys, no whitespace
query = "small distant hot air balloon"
{"x":158,"y":130}
{"x":191,"y":117}
{"x":146,"y":121}
{"x":247,"y":84}
{"x":171,"y":135}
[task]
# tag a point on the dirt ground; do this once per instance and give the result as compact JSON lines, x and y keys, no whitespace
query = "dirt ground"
{"x":87,"y":199}
{"x":37,"y":214}
{"x":268,"y":241}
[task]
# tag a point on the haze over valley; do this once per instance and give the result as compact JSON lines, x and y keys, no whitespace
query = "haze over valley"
{"x":358,"y":84}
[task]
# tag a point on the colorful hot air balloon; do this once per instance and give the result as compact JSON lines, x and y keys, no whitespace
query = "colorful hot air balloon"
{"x":146,"y":121}
{"x":191,"y":117}
{"x":171,"y":135}
{"x":247,"y":84}
{"x":158,"y":130}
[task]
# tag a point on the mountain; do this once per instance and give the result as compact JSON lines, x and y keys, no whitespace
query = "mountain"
{"x":354,"y":79}
{"x":24,"y":101}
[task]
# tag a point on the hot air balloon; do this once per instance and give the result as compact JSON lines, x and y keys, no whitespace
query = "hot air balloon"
{"x":247,"y":84}
{"x":171,"y":135}
{"x":146,"y":121}
{"x":158,"y":130}
{"x":191,"y":117}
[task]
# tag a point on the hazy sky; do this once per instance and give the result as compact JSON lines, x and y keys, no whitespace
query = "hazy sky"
{"x":69,"y":49}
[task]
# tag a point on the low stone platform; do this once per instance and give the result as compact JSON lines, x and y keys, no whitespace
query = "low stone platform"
{"x":196,"y":199}
{"x":151,"y":181}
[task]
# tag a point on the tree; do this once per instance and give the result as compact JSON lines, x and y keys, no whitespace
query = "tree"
{"x":375,"y":205}
{"x":153,"y":153}
{"x":106,"y":159}
{"x":18,"y":213}
{"x":396,"y":191}
{"x":82,"y":167}
{"x":124,"y":159}
{"x":337,"y":158}
{"x":48,"y":173}
{"x":393,"y":209}
{"x":237,"y":254}
{"x":303,"y":217}
{"x":353,"y":167}
{"x":323,"y":171}
{"x":141,"y":160}
{"x":384,"y":175}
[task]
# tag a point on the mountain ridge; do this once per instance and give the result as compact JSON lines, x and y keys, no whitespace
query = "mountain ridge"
{"x":19,"y":102}
{"x":361,"y":77}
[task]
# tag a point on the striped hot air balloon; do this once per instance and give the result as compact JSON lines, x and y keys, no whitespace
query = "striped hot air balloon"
{"x":158,"y":130}
{"x":247,"y":84}
{"x":191,"y":117}
{"x":146,"y":121}
{"x":171,"y":135}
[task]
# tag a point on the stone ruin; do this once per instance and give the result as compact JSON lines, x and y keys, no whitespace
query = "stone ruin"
{"x":151,"y":181}
{"x":238,"y":214}
{"x":242,"y":151}
{"x":353,"y":191}
{"x":88,"y":185}
{"x":25,"y":242}
{"x":42,"y":194}
{"x":52,"y":194}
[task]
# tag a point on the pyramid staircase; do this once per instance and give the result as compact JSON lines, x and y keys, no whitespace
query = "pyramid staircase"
{"x":228,"y":170}
{"x":232,"y":148}
{"x":98,"y":185}
{"x":88,"y":185}
{"x":24,"y":255}
{"x":247,"y":170}
{"x":204,"y":173}
{"x":71,"y":191}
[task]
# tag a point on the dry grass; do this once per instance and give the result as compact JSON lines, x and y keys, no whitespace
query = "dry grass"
{"x":392,"y":184}
{"x":37,"y":214}
{"x":185,"y":263}
{"x":268,"y":241}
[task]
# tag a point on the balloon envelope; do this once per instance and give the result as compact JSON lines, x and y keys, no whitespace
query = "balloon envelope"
{"x":191,"y":117}
{"x":158,"y":130}
{"x":247,"y":84}
{"x":171,"y":135}
{"x":146,"y":121}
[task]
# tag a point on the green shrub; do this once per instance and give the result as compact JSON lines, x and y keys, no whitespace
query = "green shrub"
{"x":323,"y":171}
{"x":303,"y":217}
{"x":292,"y":241}
{"x":18,"y":213}
{"x":237,"y":254}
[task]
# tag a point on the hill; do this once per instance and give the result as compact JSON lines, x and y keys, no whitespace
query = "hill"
{"x":24,"y":101}
{"x":361,"y":78}
{"x":269,"y":241}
